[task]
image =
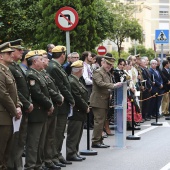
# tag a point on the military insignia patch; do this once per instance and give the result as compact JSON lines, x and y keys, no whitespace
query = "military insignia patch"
{"x":32,"y":82}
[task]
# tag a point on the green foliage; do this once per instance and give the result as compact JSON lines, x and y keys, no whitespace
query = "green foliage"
{"x":123,"y":25}
{"x":90,"y":31}
{"x":33,"y":21}
{"x":123,"y":54}
{"x":150,"y":53}
{"x":19,"y":19}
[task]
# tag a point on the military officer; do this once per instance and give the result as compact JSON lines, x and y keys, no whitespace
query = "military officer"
{"x":43,"y":107}
{"x":57,"y":99}
{"x":99,"y":99}
{"x":15,"y":159}
{"x":80,"y":110}
{"x":9,"y":103}
{"x":61,"y":80}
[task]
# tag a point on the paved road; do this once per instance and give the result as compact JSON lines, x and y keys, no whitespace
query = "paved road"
{"x":152,"y":152}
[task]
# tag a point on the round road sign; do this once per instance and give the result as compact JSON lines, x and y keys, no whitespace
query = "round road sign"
{"x":66,"y":18}
{"x":101,"y":50}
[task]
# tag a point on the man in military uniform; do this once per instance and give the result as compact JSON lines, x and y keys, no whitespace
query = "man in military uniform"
{"x":80,"y":110}
{"x":9,"y":103}
{"x":99,"y":99}
{"x":61,"y":80}
{"x":50,"y":129}
{"x":43,"y":107}
{"x":15,"y":159}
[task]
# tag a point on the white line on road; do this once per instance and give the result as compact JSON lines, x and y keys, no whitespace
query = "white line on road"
{"x":166,"y":167}
{"x":146,"y":130}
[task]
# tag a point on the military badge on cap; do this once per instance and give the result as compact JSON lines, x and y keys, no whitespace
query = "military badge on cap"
{"x":32,"y":82}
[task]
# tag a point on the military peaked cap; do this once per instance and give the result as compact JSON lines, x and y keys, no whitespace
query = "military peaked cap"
{"x":16,"y":44}
{"x":5,"y":47}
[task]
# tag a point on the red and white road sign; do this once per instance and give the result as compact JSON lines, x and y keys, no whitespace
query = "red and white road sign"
{"x":66,"y":18}
{"x":101,"y":50}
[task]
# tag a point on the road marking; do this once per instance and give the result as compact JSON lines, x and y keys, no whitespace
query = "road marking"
{"x":146,"y":130}
{"x":166,"y":167}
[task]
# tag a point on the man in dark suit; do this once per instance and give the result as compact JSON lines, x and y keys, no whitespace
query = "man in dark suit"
{"x":166,"y":85}
{"x":61,"y":80}
{"x":145,"y":89}
{"x":157,"y":88}
{"x":10,"y":105}
{"x":19,"y":138}
{"x":80,"y":110}
{"x":43,"y":107}
{"x":74,"y":57}
{"x":99,"y":99}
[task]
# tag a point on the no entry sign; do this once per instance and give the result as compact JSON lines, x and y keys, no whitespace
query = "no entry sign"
{"x":101,"y":50}
{"x":66,"y":18}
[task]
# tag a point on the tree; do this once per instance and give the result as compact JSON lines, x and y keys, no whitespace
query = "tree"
{"x":19,"y":19}
{"x":124,"y":25}
{"x":90,"y":31}
{"x":150,"y":53}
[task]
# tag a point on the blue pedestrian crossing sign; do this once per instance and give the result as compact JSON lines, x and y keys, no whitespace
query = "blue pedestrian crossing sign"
{"x":162,"y":36}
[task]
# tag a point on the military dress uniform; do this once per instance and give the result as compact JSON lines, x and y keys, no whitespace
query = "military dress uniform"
{"x":76,"y":121}
{"x":25,"y":98}
{"x":99,"y":100}
{"x":61,"y":80}
{"x":37,"y":118}
{"x":52,"y":119}
{"x":9,"y":101}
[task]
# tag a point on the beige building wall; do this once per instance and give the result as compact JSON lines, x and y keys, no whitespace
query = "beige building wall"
{"x":152,"y":15}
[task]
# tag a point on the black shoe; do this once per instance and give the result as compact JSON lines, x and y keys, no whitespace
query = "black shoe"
{"x":63,"y":161}
{"x":99,"y":146}
{"x":75,"y":158}
{"x":60,"y":164}
{"x":82,"y":157}
{"x":53,"y":166}
{"x":105,"y":145}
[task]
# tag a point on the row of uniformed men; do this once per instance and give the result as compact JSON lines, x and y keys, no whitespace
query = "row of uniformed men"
{"x":43,"y":95}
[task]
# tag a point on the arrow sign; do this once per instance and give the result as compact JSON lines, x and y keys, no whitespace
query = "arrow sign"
{"x":66,"y":18}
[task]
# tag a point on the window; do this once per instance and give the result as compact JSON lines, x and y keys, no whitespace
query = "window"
{"x":163,"y":11}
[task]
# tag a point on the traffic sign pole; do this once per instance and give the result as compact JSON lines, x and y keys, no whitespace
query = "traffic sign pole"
{"x":68,"y":42}
{"x":161,"y":56}
{"x":66,"y":19}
